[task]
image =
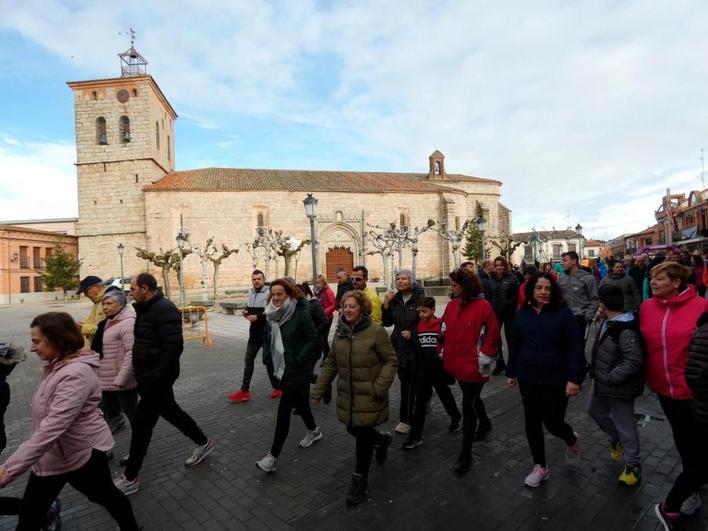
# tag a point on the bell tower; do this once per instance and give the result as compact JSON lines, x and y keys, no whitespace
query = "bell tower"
{"x":124,"y":140}
{"x":437,"y":166}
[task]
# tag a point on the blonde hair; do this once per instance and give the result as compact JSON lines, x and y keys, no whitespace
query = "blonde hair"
{"x":673,"y":270}
{"x":360,"y":298}
{"x":323,"y":279}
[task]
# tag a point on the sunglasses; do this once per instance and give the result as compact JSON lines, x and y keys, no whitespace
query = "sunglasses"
{"x":357,"y":279}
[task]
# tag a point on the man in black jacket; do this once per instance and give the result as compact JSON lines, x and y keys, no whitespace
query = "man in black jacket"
{"x":502,"y":291}
{"x":344,"y":284}
{"x":156,"y":350}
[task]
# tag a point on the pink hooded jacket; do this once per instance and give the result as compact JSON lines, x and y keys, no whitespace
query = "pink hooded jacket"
{"x":66,"y":422}
{"x":116,"y":367}
{"x":667,"y":326}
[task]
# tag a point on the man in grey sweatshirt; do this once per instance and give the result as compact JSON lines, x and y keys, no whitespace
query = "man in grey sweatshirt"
{"x":579,"y":291}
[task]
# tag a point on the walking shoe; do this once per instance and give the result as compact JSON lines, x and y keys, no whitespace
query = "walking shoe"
{"x":412,"y":443}
{"x":499,"y":367}
{"x":616,"y":450}
{"x":311,"y":436}
{"x":382,"y":449}
{"x":52,"y":522}
{"x":572,"y":453}
{"x":402,"y":427}
{"x":538,"y":475}
{"x":630,"y":475}
{"x":691,"y":504}
{"x":669,"y":521}
{"x":199,"y":453}
{"x":267,"y":464}
{"x":240,"y":396}
{"x":277,"y":393}
{"x":127,"y":486}
{"x":482,"y":431}
{"x":357,"y":490}
{"x":463,"y":464}
{"x":455,"y":425}
{"x":124,"y":460}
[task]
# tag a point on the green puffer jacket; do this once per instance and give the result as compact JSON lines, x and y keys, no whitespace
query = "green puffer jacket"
{"x":302,"y":347}
{"x":366,"y":363}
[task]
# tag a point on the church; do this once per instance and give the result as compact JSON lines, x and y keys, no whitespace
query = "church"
{"x":130,"y":193}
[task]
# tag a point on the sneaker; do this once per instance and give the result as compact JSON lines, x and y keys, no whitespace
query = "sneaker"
{"x":616,"y":450}
{"x":127,"y":486}
{"x":572,"y":453}
{"x":630,"y":475}
{"x":402,"y":427}
{"x":463,"y":464}
{"x":669,"y":521}
{"x":412,"y":443}
{"x":311,"y":437}
{"x":691,"y":504}
{"x":267,"y":464}
{"x":199,"y":453}
{"x":124,"y":460}
{"x":382,"y":449}
{"x":455,"y":425}
{"x":239,"y":396}
{"x":277,"y":393}
{"x":482,"y":431}
{"x":52,"y":522}
{"x":357,"y":489}
{"x":538,"y":475}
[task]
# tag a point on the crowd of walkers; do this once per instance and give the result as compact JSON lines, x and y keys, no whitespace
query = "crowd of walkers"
{"x":120,"y":364}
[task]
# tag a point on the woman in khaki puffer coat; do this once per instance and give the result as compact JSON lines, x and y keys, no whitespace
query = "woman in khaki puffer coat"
{"x":364,"y":360}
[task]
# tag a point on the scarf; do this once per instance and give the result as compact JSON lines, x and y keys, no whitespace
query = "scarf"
{"x":277,"y":317}
{"x":344,"y":329}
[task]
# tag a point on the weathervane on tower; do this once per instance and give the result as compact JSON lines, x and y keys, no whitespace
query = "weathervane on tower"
{"x":132,"y":64}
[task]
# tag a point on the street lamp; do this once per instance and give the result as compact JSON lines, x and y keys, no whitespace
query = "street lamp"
{"x":182,"y":238}
{"x":121,"y":248}
{"x":579,"y":230}
{"x":310,"y":203}
{"x":481,"y":225}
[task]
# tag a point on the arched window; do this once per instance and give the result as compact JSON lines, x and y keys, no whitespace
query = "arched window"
{"x":169,"y":150}
{"x":437,"y":167}
{"x":101,"y":136}
{"x":157,"y":134}
{"x":259,"y":220}
{"x":124,"y":129}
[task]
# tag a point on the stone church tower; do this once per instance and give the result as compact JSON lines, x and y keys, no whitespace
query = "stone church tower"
{"x":124,"y":140}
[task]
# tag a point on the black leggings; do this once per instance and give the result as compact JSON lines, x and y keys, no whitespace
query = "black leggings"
{"x":115,"y":402}
{"x":292,"y":398}
{"x":93,"y":480}
{"x":366,"y":438}
{"x":405,"y":375}
{"x":423,"y":393}
{"x":544,"y":405}
{"x":691,"y":448}
{"x":472,"y":412}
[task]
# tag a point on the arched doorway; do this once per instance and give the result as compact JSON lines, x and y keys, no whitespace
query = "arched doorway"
{"x":338,"y":257}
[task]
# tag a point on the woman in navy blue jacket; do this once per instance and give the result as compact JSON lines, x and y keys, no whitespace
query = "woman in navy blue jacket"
{"x":547,"y":362}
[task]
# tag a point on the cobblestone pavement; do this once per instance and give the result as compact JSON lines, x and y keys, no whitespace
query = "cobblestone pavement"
{"x":412,"y":490}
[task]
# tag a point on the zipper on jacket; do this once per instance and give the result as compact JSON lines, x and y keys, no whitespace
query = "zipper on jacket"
{"x":351,"y":385}
{"x":666,"y":351}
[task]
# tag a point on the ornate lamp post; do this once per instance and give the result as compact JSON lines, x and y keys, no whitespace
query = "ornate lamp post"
{"x":310,"y":203}
{"x":481,"y":226}
{"x":579,"y":230}
{"x":182,"y":238}
{"x":121,"y":249}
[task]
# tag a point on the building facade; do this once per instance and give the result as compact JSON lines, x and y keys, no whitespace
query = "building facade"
{"x":130,"y":194}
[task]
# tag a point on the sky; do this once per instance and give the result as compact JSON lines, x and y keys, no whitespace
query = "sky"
{"x":586,"y":111}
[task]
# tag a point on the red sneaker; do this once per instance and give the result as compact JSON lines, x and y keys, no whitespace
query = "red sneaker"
{"x":277,"y":393}
{"x":240,"y":396}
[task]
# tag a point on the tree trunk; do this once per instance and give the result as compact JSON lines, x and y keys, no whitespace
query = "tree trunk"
{"x":205,"y":287}
{"x":386,"y":272}
{"x":166,"y":281}
{"x":65,"y":298}
{"x":414,"y":260}
{"x":267,"y":265}
{"x":288,"y":260}
{"x":216,"y":279}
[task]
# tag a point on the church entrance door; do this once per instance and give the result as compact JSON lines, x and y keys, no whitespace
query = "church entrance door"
{"x":338,"y":257}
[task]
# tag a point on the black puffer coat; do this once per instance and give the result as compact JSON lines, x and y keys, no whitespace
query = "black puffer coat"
{"x":158,"y":342}
{"x":404,"y":316}
{"x":617,"y":361}
{"x":697,"y":371}
{"x":502,"y":294}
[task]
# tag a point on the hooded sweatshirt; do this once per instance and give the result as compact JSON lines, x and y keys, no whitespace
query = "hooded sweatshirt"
{"x":66,"y":422}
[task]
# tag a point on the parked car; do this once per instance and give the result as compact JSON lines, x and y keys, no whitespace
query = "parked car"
{"x":116,"y":282}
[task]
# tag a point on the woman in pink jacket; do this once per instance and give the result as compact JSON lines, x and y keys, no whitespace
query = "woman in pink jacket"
{"x":464,"y":319}
{"x":114,"y":343}
{"x":329,"y":303}
{"x":667,"y":321}
{"x":69,"y":436}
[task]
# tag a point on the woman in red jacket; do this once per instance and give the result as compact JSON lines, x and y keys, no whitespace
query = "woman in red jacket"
{"x":464,"y":320}
{"x":667,"y":321}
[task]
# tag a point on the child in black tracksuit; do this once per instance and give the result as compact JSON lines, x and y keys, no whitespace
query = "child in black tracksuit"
{"x":430,"y":374}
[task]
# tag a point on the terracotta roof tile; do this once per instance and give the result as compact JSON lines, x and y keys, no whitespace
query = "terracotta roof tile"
{"x":237,"y":179}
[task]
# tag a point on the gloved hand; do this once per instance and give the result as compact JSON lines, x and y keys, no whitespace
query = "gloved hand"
{"x":485,"y":364}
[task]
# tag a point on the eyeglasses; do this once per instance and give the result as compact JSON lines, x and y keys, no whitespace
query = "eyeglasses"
{"x":357,"y":279}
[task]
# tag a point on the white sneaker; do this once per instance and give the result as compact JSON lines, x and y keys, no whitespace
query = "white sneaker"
{"x":199,"y":453}
{"x":538,"y":475}
{"x":402,"y":427}
{"x":126,"y":486}
{"x":311,"y":436}
{"x":267,"y":464}
{"x":691,"y":504}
